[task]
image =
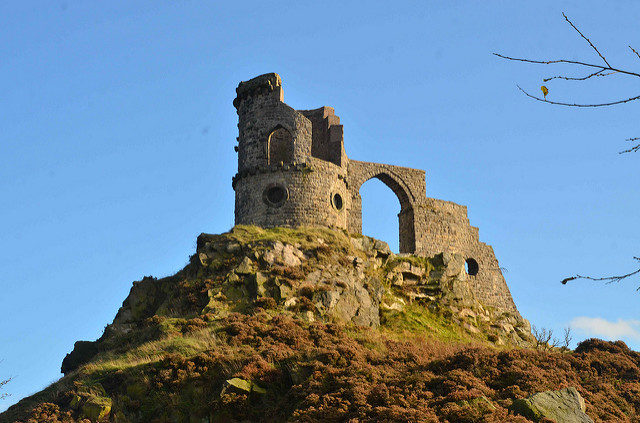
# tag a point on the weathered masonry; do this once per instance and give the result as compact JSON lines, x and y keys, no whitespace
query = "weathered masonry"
{"x":293,"y":171}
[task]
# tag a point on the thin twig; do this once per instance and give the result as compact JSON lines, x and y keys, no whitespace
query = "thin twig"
{"x":587,"y":40}
{"x":632,"y":149}
{"x":577,"y":104}
{"x":568,"y":78}
{"x":2,"y":383}
{"x":634,"y":50}
{"x":572,"y":62}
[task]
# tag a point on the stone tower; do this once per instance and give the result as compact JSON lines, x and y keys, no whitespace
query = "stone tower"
{"x":293,"y":171}
{"x":292,"y":166}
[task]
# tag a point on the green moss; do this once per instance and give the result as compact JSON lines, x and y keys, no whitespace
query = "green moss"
{"x":416,"y":319}
{"x":424,"y":262}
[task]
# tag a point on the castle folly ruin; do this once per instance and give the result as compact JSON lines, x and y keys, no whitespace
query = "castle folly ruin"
{"x":293,"y":171}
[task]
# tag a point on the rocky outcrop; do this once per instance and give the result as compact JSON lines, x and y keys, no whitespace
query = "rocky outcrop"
{"x":441,"y":284}
{"x":314,"y":280}
{"x":324,"y":275}
{"x":316,"y":274}
{"x":83,"y":351}
{"x":565,"y":405}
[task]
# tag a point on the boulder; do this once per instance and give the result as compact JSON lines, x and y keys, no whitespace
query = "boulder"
{"x":257,"y":284}
{"x":233,"y":247}
{"x":362,"y":243}
{"x":242,"y":385}
{"x":291,"y":256}
{"x":142,"y":301}
{"x":382,"y":248}
{"x":246,"y":267}
{"x":285,"y":254}
{"x":96,"y":408}
{"x":565,"y":405}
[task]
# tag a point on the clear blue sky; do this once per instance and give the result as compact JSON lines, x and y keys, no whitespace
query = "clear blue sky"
{"x":117,"y":134}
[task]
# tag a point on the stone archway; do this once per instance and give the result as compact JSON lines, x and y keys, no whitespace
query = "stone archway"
{"x":391,"y":176}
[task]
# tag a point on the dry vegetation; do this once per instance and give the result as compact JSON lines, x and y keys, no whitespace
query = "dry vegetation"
{"x":173,"y":364}
{"x":326,"y":372}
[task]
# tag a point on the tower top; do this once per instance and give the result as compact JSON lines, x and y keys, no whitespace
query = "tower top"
{"x":267,"y":84}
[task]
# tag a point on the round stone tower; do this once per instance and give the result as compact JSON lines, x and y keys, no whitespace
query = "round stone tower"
{"x":291,"y":164}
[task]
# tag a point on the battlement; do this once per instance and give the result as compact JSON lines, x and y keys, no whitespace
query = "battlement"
{"x":268,"y":84}
{"x":293,"y":171}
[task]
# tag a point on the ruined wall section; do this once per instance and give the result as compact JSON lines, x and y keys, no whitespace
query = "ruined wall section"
{"x":328,"y":138}
{"x":428,"y":226}
{"x":447,"y":228}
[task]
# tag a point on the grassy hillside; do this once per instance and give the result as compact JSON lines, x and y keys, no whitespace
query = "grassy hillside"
{"x":309,"y":325}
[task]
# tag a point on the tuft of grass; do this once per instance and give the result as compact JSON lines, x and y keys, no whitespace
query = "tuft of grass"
{"x":307,"y":237}
{"x":187,"y":345}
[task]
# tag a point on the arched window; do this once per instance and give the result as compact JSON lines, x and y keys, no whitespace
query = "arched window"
{"x":280,"y":146}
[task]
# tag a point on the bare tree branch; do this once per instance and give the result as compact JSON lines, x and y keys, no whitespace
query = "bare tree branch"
{"x":578,"y":104}
{"x":544,"y":338}
{"x":567,"y":339}
{"x":607,"y":279}
{"x":571,"y":62}
{"x":588,"y":40}
{"x":596,"y":71}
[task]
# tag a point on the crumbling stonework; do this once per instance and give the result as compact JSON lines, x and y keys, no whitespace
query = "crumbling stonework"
{"x":293,"y":171}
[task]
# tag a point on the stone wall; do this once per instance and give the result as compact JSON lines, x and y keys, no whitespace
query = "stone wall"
{"x":312,"y":182}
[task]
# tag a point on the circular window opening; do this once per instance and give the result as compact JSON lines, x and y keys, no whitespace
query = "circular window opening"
{"x":337,"y":201}
{"x":471,"y":266}
{"x":275,"y":195}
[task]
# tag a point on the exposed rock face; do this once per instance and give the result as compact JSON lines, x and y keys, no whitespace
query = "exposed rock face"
{"x":565,"y":405}
{"x":352,"y":283}
{"x":319,"y":282}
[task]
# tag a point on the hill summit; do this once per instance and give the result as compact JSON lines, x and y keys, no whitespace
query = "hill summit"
{"x":312,"y":324}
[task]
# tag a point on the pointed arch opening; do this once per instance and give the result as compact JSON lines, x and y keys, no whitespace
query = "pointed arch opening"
{"x":279,"y":146}
{"x":377,"y":207}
